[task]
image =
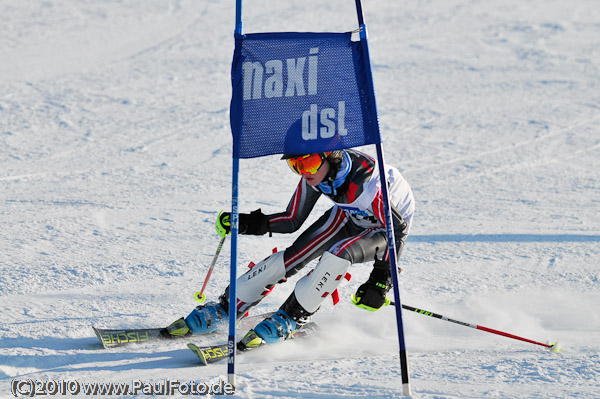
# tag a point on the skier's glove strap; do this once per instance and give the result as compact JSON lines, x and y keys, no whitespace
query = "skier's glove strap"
{"x":253,"y":223}
{"x":223,"y":224}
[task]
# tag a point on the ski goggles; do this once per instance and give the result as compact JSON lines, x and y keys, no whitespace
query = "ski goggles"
{"x":307,"y":164}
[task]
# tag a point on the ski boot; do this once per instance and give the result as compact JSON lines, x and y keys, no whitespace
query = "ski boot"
{"x":207,"y":318}
{"x":204,"y":319}
{"x":277,"y":327}
{"x":280,"y":326}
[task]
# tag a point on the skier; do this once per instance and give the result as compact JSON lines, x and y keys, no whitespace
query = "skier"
{"x":352,"y":231}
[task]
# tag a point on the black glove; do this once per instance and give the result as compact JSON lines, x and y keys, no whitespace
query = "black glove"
{"x":253,"y":223}
{"x":371,"y":295}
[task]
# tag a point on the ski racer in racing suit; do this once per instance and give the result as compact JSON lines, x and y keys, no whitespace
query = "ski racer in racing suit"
{"x":352,"y":231}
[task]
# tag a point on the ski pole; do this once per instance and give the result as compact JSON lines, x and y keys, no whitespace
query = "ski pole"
{"x":553,"y":347}
{"x":199,"y":296}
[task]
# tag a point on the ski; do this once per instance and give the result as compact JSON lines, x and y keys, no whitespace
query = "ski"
{"x":110,"y":338}
{"x":214,"y":353}
{"x":115,"y":337}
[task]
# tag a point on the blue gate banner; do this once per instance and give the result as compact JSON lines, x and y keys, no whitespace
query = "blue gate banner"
{"x":300,"y":93}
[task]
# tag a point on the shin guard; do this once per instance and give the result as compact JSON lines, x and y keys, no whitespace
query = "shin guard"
{"x":312,"y":289}
{"x":257,"y":282}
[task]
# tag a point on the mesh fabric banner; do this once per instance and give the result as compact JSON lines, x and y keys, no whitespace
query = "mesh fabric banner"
{"x":300,"y":93}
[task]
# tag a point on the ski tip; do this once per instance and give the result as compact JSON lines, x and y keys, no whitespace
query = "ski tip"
{"x":99,"y":335}
{"x":198,"y":353}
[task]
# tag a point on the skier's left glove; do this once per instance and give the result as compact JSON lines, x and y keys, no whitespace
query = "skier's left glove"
{"x":371,"y":295}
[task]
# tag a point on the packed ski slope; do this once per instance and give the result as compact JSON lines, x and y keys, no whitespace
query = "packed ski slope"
{"x":115,"y":158}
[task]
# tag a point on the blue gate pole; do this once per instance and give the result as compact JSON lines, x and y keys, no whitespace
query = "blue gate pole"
{"x":231,"y":343}
{"x":233,"y":274}
{"x":406,"y":391}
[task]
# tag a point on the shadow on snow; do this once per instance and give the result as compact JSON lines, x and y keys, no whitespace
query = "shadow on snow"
{"x":504,"y":238}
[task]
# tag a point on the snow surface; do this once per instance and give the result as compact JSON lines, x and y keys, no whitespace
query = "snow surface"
{"x":115,"y":158}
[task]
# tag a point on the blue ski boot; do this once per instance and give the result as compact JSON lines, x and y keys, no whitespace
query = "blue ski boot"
{"x":207,"y":318}
{"x":280,"y":326}
{"x":277,"y":327}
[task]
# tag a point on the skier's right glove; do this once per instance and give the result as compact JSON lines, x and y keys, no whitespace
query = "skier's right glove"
{"x":253,"y":223}
{"x":371,"y":295}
